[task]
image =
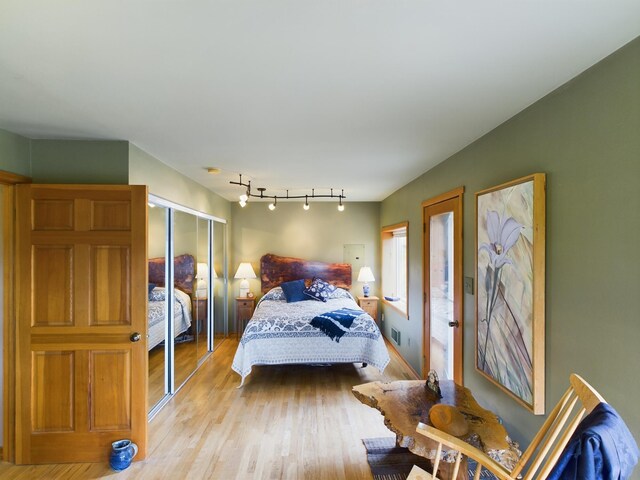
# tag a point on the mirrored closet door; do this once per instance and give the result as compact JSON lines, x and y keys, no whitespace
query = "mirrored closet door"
{"x":186,"y":251}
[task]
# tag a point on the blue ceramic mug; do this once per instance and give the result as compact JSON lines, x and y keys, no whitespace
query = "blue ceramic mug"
{"x":122,"y":452}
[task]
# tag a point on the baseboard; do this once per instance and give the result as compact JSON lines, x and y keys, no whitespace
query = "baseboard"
{"x":401,"y":358}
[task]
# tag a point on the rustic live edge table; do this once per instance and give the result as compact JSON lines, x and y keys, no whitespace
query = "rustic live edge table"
{"x":405,"y":403}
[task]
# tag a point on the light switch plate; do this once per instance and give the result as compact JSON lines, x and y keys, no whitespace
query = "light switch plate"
{"x":468,"y":285}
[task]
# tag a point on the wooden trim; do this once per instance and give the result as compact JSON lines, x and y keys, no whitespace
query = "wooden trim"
{"x":386,"y":232}
{"x":455,"y":196}
{"x":401,"y":358}
{"x":537,"y":407}
{"x":9,"y":324}
{"x":9,"y":178}
{"x":395,"y":226}
{"x":456,"y":192}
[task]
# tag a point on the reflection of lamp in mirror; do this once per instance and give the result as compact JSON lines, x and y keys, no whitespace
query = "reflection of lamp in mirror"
{"x":366,"y":275}
{"x":202,"y":276}
{"x":245,"y":270}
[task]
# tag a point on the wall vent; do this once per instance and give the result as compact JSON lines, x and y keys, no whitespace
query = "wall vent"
{"x":395,"y":336}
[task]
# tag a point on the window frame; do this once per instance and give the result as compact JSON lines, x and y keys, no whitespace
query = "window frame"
{"x":386,"y":243}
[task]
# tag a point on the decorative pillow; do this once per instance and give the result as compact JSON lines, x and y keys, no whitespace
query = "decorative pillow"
{"x":341,"y":293}
{"x":294,"y":291}
{"x":158,"y":294}
{"x":275,"y":293}
{"x":151,"y":287}
{"x":319,"y":290}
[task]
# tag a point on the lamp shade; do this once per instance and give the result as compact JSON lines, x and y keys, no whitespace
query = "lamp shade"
{"x":245,"y":270}
{"x":366,"y":275}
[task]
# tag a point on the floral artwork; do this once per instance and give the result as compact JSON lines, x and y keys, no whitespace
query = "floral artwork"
{"x":510,"y":296}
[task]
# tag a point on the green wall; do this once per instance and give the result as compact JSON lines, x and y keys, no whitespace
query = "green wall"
{"x":14,"y":153}
{"x":80,"y":161}
{"x":586,"y":137}
{"x":319,"y":234}
{"x":169,"y":184}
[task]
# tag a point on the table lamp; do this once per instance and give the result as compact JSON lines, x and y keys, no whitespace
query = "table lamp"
{"x":366,"y":275}
{"x":245,"y":270}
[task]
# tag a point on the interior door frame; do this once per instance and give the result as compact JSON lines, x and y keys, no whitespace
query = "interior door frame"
{"x":458,"y":310}
{"x":8,"y":180}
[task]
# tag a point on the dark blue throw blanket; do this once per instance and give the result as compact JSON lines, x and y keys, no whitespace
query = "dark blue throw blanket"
{"x":602,"y":447}
{"x":327,"y":322}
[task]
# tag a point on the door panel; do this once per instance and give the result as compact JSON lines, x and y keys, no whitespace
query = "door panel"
{"x":111,"y":270}
{"x":52,"y":391}
{"x":81,"y":290}
{"x":443,"y":320}
{"x":110,"y":390}
{"x":53,"y":267}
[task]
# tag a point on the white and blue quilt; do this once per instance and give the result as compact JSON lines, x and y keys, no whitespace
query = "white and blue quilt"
{"x":281,"y":333}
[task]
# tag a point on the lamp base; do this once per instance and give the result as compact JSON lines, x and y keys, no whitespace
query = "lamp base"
{"x":244,"y":288}
{"x":366,"y":289}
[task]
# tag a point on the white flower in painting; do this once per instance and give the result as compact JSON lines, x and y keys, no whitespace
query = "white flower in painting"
{"x":503,"y":235}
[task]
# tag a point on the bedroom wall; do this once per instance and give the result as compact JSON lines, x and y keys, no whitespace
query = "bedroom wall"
{"x":14,"y":153}
{"x":319,"y":233}
{"x":585,"y":137}
{"x":165,"y":182}
{"x":80,"y":161}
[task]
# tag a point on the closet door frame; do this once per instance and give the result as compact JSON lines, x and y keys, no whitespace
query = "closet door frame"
{"x":171,"y":208}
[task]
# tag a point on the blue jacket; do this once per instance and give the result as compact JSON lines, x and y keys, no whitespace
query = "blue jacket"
{"x":602,"y":447}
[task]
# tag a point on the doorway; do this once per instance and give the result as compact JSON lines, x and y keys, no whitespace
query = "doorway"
{"x":443,"y":323}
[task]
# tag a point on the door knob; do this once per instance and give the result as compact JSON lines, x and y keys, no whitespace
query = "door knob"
{"x":135,"y":337}
{"x":454,"y":324}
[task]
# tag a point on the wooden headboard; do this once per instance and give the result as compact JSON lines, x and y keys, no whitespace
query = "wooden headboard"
{"x":275,"y":270}
{"x":184,"y":272}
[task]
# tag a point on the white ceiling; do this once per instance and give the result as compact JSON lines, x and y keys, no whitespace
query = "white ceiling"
{"x":363,"y":95}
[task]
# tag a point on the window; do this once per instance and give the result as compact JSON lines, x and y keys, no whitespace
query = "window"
{"x":394,"y":266}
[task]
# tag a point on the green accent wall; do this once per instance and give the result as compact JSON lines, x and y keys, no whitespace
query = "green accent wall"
{"x":14,"y":153}
{"x":169,"y":184}
{"x":586,"y":137}
{"x":319,"y":234}
{"x":80,"y":161}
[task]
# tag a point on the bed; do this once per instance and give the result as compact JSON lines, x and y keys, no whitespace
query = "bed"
{"x":284,"y":333}
{"x":184,"y":274}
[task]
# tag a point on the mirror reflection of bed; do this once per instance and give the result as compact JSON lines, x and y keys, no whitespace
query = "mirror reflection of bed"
{"x":191,"y":244}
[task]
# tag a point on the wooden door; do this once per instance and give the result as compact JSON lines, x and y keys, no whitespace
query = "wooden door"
{"x":81,"y":294}
{"x":443,"y":320}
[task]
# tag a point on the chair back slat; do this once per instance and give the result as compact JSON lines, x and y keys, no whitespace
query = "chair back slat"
{"x":436,"y":461}
{"x":478,"y":472}
{"x":545,"y":447}
{"x":546,"y":426}
{"x":457,"y":465}
{"x":562,"y":442}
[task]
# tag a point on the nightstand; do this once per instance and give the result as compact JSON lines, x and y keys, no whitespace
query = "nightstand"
{"x":244,"y":312}
{"x":369,"y":305}
{"x":199,"y":314}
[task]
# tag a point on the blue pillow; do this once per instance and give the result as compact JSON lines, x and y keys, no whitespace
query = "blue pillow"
{"x":294,"y":291}
{"x":319,"y":290}
{"x":151,"y":287}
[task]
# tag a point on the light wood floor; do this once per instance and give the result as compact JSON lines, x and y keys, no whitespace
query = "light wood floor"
{"x":287,"y":422}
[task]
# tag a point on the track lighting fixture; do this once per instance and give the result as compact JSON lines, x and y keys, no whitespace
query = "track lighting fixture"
{"x":244,"y":198}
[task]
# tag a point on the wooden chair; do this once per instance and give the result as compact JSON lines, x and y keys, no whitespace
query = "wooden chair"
{"x":542,"y":454}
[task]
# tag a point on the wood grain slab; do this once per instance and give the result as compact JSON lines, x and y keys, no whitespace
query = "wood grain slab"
{"x":275,"y":270}
{"x":405,"y":403}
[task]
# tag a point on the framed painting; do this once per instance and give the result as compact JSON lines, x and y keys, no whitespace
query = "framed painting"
{"x":510,"y":265}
